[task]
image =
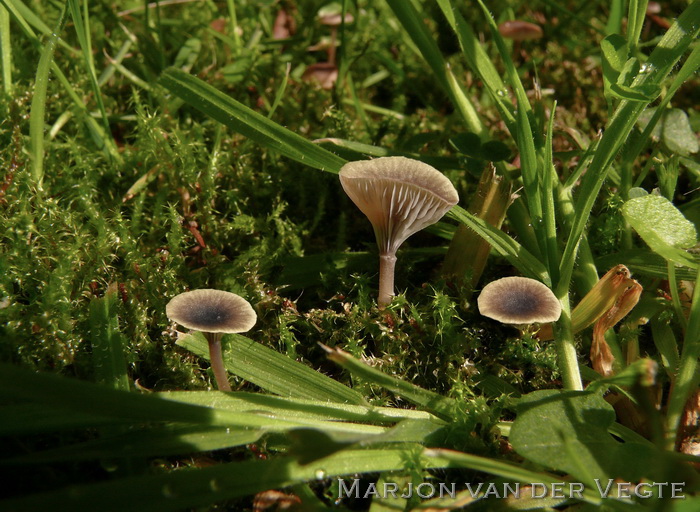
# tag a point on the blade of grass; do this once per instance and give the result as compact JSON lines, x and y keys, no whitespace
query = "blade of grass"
{"x":107,"y":344}
{"x":636,"y":13}
{"x":666,"y":54}
{"x":687,"y":377}
{"x":442,"y":407}
{"x":515,"y":253}
{"x":92,"y":399}
{"x":197,"y":488}
{"x":5,"y":51}
{"x":81,"y":22}
{"x":479,"y":62}
{"x":247,"y":122}
{"x":26,"y":18}
{"x":37,"y":114}
{"x":412,"y":21}
{"x":273,"y":371}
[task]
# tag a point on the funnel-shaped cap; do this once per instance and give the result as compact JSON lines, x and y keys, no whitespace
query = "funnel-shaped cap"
{"x":212,"y":311}
{"x":519,"y":300}
{"x":398,"y":195}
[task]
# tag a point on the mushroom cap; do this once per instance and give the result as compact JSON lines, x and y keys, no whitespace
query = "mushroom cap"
{"x":214,"y":311}
{"x":520,"y":30}
{"x":399,"y":196}
{"x":519,"y":300}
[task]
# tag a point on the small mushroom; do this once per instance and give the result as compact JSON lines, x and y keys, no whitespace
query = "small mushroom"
{"x":399,"y":196}
{"x":520,"y":30}
{"x":332,"y":17}
{"x":214,"y":313}
{"x":324,"y":73}
{"x":520,"y":301}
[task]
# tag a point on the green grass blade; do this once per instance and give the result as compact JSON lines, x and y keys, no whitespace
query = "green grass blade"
{"x":246,"y":121}
{"x":27,"y":19}
{"x":440,"y":406}
{"x":92,"y":399}
{"x":636,"y":13}
{"x":295,"y":407}
{"x":515,"y":253}
{"x":479,"y":62}
{"x":38,"y":111}
{"x":107,"y":343}
{"x":412,"y":22}
{"x":196,"y":488}
{"x":273,"y":371}
{"x":82,"y":29}
{"x":154,"y":442}
{"x":666,"y":54}
{"x":5,"y":51}
{"x":687,"y":377}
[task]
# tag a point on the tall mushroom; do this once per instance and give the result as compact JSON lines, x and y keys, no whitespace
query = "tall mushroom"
{"x":520,"y":301}
{"x":399,"y":196}
{"x":214,"y":313}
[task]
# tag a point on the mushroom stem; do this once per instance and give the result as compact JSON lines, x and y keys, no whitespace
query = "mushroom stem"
{"x":217,"y":361}
{"x":387,"y":263}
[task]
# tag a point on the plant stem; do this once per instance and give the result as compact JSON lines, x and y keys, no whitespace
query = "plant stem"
{"x":387,"y":263}
{"x":686,"y":378}
{"x":217,"y":361}
{"x":566,"y":352}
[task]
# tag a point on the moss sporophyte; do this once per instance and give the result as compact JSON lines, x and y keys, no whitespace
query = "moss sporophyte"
{"x":399,"y":196}
{"x":213,"y":313}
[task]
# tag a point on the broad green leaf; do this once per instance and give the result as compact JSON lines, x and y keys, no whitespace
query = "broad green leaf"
{"x":273,"y":371}
{"x":677,"y":134}
{"x":247,"y":122}
{"x":644,"y":92}
{"x":662,"y":227}
{"x":568,"y":431}
{"x":615,"y":53}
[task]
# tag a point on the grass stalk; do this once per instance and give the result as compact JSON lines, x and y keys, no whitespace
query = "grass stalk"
{"x":38,"y":109}
{"x":5,"y":51}
{"x":566,"y":350}
{"x":233,"y":22}
{"x":687,"y":376}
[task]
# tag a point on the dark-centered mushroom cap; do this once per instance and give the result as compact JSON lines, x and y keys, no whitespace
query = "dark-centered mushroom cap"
{"x":213,"y":311}
{"x":399,"y":196}
{"x":520,"y":30}
{"x":519,"y":300}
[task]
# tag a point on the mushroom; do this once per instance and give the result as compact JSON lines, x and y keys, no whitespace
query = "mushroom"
{"x":214,"y":313}
{"x":325,"y":73}
{"x":332,"y":17}
{"x":399,"y":196}
{"x":519,"y":300}
{"x":520,"y":30}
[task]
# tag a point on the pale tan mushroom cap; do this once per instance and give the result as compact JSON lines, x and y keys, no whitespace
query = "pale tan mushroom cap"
{"x":399,"y":196}
{"x":519,"y":300}
{"x":520,"y":30}
{"x":212,"y":311}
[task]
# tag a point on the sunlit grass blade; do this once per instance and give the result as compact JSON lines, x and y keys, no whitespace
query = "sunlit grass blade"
{"x":27,"y":19}
{"x":196,"y":488}
{"x":82,"y":29}
{"x":295,"y":407}
{"x":273,"y":371}
{"x":37,"y":115}
{"x":5,"y":51}
{"x":92,"y":399}
{"x":479,"y":61}
{"x":412,"y":22}
{"x":666,"y":54}
{"x":246,"y":121}
{"x":432,"y":402}
{"x":515,"y":253}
